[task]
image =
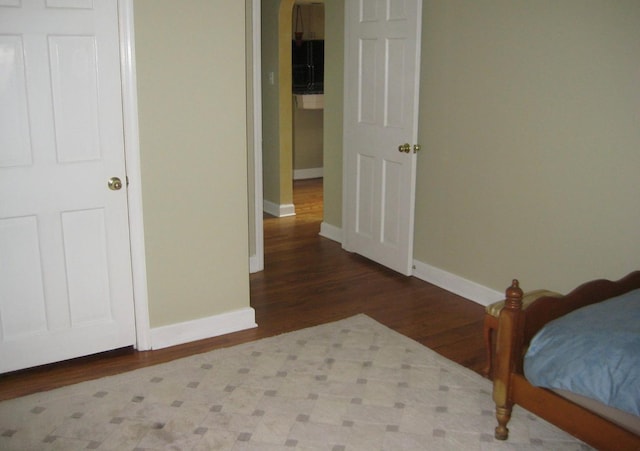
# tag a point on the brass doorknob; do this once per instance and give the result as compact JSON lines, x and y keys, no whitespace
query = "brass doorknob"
{"x":406,"y":148}
{"x":115,"y":183}
{"x":416,"y":148}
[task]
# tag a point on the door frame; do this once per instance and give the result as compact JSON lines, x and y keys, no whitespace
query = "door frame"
{"x":134,"y":179}
{"x":256,"y":261}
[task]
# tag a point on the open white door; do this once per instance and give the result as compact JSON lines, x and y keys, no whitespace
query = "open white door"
{"x":65,"y":263}
{"x":382,"y":55}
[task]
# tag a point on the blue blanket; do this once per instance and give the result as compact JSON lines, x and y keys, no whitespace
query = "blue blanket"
{"x":593,"y":351}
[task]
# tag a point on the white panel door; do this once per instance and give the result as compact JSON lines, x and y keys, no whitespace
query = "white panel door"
{"x":65,"y":265}
{"x":381,"y":108}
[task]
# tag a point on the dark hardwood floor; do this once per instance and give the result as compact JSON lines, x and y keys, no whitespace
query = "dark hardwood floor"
{"x":308,"y":280}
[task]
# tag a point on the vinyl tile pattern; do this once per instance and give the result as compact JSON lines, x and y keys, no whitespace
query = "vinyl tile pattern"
{"x":353,"y":384}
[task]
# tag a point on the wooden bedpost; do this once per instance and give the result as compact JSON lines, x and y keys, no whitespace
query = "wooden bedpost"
{"x":506,"y":347}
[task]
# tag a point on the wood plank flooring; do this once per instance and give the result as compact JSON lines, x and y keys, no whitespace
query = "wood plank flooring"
{"x":308,"y":280}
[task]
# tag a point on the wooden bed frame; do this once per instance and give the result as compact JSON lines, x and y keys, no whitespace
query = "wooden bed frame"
{"x":516,"y":329}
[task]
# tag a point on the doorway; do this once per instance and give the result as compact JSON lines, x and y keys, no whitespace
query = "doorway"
{"x":292,"y":132}
{"x":307,"y":89}
{"x":273,"y":148}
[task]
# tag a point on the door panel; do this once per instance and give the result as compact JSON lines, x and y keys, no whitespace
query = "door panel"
{"x":394,"y":87}
{"x":65,"y":266}
{"x":22,"y":279}
{"x":382,"y":55}
{"x":75,"y":97}
{"x":392,"y":181}
{"x":365,"y":190}
{"x":15,"y":144}
{"x":87,"y":266}
{"x":367,"y":82}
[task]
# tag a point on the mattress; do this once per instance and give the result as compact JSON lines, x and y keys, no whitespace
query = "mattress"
{"x":626,"y":420}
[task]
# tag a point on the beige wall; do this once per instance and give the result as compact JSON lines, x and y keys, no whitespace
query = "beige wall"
{"x":307,"y":138}
{"x":332,"y":125}
{"x":270,"y":101}
{"x":529,"y":121}
{"x":312,"y":16}
{"x":192,"y":113}
{"x":277,"y":104}
{"x":251,"y":129}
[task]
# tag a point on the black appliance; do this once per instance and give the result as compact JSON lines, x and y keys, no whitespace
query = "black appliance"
{"x":308,"y":66}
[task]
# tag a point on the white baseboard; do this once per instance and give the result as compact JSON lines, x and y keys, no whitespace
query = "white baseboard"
{"x":278,"y":210}
{"x":255,"y":264}
{"x":330,"y":231}
{"x":456,"y":284}
{"x":311,"y":173}
{"x":212,"y":326}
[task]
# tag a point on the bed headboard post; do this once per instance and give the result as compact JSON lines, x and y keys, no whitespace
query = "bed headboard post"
{"x":513,"y":296}
{"x":506,"y":348}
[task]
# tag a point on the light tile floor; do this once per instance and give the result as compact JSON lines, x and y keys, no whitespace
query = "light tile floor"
{"x":349,"y":385}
